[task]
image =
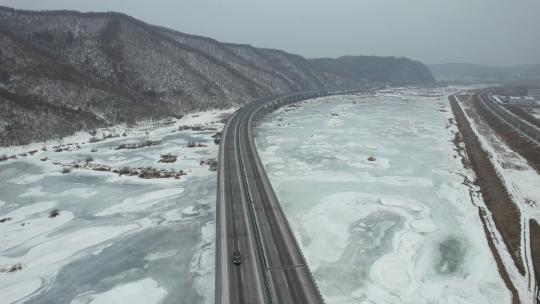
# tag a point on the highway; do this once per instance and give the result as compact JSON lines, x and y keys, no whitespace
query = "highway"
{"x":525,"y":128}
{"x":250,"y":219}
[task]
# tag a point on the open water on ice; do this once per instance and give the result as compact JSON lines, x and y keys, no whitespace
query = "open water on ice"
{"x":399,"y":229}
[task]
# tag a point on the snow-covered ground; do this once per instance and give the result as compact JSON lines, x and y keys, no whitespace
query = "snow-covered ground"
{"x":535,"y":112}
{"x":117,"y":239}
{"x":523,"y":184}
{"x":403,"y":228}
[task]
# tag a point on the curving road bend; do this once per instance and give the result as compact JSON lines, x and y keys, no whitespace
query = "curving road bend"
{"x":251,"y":221}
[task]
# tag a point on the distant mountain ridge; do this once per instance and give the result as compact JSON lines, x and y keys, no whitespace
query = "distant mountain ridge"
{"x":393,"y":70}
{"x":63,"y":71}
{"x":474,"y":73}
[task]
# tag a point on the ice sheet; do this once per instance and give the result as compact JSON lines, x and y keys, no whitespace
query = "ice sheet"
{"x":117,"y":239}
{"x":146,"y":291}
{"x":399,"y":228}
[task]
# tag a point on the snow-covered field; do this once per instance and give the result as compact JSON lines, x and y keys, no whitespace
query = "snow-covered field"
{"x":402,"y":228}
{"x":117,"y":239}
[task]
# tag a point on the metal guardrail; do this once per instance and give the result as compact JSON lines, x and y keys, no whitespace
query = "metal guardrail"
{"x":258,"y":108}
{"x":274,"y":104}
{"x":527,"y":129}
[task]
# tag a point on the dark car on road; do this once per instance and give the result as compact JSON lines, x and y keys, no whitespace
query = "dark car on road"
{"x":237,"y":258}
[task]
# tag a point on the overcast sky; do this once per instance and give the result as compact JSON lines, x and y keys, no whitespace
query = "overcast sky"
{"x":496,"y":32}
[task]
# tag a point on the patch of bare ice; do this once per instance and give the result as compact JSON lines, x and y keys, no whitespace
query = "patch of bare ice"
{"x":142,"y":202}
{"x":145,"y":291}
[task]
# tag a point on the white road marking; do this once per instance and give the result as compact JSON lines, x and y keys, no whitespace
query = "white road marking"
{"x":285,"y":278}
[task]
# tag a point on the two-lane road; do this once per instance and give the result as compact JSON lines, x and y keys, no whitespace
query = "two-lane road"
{"x":243,"y":280}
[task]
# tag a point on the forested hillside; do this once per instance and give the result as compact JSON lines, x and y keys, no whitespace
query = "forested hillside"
{"x":63,"y":71}
{"x":392,"y":70}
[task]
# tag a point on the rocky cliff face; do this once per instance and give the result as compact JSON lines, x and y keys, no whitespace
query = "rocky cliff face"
{"x":64,"y":71}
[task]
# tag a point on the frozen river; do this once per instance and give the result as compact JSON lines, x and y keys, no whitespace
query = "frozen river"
{"x":117,"y":239}
{"x":398,"y":229}
{"x":401,"y":228}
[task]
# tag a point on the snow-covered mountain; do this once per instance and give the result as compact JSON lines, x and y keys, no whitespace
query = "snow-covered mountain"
{"x":63,"y":71}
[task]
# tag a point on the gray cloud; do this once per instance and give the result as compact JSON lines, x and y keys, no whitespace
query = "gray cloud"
{"x":498,"y":32}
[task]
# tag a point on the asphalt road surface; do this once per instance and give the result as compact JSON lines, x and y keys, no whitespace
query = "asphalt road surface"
{"x":251,"y":221}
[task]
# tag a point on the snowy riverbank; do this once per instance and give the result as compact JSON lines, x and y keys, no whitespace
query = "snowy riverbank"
{"x":117,"y":238}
